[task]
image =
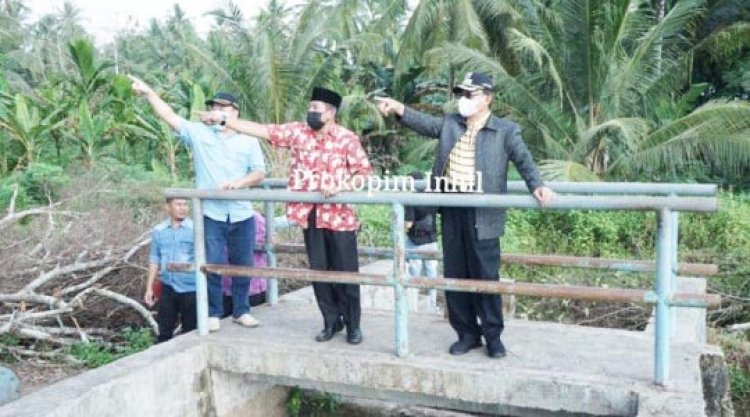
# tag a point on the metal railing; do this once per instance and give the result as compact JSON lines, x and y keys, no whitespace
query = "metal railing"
{"x":669,"y":199}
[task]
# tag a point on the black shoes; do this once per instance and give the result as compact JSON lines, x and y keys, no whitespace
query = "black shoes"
{"x":495,"y":349}
{"x":465,"y":344}
{"x":327,"y":333}
{"x":354,"y":337}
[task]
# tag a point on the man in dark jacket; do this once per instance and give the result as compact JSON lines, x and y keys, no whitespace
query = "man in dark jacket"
{"x":473,"y":153}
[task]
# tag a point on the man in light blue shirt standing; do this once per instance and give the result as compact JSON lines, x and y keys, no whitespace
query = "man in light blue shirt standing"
{"x":172,"y":242}
{"x":223,"y":159}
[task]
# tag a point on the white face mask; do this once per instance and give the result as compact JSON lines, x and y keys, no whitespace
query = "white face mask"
{"x":467,"y":106}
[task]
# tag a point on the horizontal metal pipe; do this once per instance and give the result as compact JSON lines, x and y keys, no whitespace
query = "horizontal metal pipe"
{"x":700,"y":204}
{"x":605,"y":263}
{"x":624,"y":188}
{"x":620,"y":295}
{"x":532,"y":289}
{"x":531,"y":259}
{"x":692,"y":300}
{"x":337,"y":277}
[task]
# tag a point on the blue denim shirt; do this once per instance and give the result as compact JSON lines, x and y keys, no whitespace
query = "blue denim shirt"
{"x":218,"y":159}
{"x":169,"y":244}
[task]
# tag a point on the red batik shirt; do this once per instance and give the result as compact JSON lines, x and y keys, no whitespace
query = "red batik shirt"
{"x":335,"y":156}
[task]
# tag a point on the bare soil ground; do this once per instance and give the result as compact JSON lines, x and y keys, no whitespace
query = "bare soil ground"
{"x":36,"y":374}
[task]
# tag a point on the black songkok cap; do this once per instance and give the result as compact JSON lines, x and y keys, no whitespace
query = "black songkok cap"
{"x":326,"y":96}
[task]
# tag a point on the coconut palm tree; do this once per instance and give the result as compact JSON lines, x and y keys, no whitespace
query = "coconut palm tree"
{"x":436,"y":23}
{"x":587,"y":85}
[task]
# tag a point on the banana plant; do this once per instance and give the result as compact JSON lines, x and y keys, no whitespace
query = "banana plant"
{"x":91,"y":74}
{"x":92,"y":133}
{"x":24,"y":126}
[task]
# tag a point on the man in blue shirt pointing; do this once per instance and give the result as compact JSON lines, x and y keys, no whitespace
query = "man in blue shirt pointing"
{"x":223,"y":159}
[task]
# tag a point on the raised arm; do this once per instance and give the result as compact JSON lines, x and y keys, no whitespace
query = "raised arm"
{"x":249,"y":128}
{"x":161,"y":108}
{"x":238,"y":125}
{"x":424,"y":124}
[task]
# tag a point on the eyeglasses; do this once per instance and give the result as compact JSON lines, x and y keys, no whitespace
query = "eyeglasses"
{"x":469,"y":94}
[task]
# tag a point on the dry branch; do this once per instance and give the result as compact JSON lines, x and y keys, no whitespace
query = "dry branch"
{"x":11,"y":218}
{"x":132,"y":303}
{"x":66,"y":270}
{"x":738,"y":327}
{"x":31,"y":297}
{"x":55,"y":257}
{"x":57,"y":355}
{"x":31,"y":309}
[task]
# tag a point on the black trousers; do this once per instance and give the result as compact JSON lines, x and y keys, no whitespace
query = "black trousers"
{"x":334,"y":251}
{"x":173,"y":306}
{"x":465,"y":256}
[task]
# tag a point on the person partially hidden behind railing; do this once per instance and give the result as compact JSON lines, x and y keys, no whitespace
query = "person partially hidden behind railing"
{"x":223,"y":159}
{"x":473,"y":152}
{"x":328,"y":158}
{"x":172,"y":242}
{"x":421,"y":234}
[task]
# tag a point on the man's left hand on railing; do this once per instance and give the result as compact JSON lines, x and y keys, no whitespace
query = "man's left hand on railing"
{"x":329,"y":190}
{"x":544,"y":195}
{"x":232,"y":185}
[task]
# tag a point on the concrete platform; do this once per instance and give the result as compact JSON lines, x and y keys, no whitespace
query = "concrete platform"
{"x":551,"y":370}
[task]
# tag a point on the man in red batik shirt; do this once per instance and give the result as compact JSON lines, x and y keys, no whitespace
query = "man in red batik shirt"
{"x":326,"y":157}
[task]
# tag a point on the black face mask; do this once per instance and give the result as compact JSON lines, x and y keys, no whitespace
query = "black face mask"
{"x":314,"y":120}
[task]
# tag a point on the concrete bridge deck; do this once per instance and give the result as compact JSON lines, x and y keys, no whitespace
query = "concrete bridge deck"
{"x":551,"y":369}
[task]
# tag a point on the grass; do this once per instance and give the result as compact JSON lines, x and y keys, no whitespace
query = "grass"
{"x":94,"y":355}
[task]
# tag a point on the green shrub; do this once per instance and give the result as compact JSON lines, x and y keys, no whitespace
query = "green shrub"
{"x":318,"y":404}
{"x":376,"y":225}
{"x":94,"y":355}
{"x":37,"y":185}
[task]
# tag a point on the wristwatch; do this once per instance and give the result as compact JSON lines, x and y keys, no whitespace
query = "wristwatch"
{"x":223,"y":119}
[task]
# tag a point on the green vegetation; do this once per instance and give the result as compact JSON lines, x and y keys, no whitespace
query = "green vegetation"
{"x":636,"y":90}
{"x":308,"y":404}
{"x":737,"y":350}
{"x":94,"y":355}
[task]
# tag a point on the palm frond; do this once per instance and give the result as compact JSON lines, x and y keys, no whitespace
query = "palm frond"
{"x":556,"y":170}
{"x":524,"y":44}
{"x":623,"y":133}
{"x":466,"y":26}
{"x":662,"y":42}
{"x":717,"y":132}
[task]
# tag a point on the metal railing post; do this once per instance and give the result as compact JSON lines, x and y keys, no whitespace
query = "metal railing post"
{"x":675,"y":238}
{"x":201,"y":287}
{"x":273,"y":283}
{"x":401,"y":307}
{"x":662,"y":288}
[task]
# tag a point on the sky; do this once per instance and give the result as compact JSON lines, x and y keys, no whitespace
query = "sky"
{"x":104,"y":18}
